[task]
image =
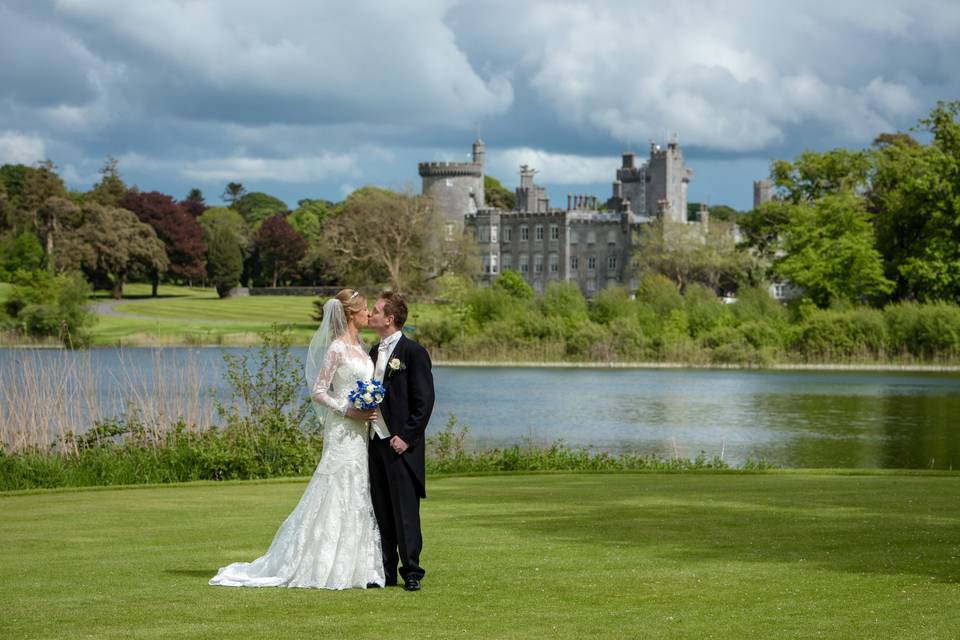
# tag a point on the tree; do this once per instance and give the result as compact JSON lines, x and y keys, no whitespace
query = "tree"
{"x":111,"y":189}
{"x":232,"y":193}
{"x":179,"y":231}
{"x":194,"y":203}
{"x":814,"y":175}
{"x":27,"y":189}
{"x":46,"y":304}
{"x":108,"y":244}
{"x":498,"y":196}
{"x":385,"y":237}
{"x":829,"y":251}
{"x":309,"y":216}
{"x":19,"y":253}
{"x":224,"y":260}
{"x":513,"y":283}
{"x":216,"y":218}
{"x":256,"y":207}
{"x":915,"y":202}
{"x":685,"y":253}
{"x":279,"y":248}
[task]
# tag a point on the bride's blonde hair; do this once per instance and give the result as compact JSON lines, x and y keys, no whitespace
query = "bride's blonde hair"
{"x":353,"y":303}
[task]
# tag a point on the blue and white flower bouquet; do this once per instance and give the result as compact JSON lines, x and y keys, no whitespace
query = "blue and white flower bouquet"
{"x":367,"y":395}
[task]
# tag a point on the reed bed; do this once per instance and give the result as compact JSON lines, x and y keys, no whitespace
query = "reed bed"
{"x":50,"y":397}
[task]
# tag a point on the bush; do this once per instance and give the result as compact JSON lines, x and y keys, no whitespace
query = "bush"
{"x":42,"y":304}
{"x":705,"y":311}
{"x":20,"y":253}
{"x":660,"y":294}
{"x":610,"y":303}
{"x":924,"y":330}
{"x":829,"y":335}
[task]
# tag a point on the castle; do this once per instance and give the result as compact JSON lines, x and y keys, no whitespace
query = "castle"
{"x":581,"y":243}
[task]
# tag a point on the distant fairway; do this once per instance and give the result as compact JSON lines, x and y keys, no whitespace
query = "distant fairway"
{"x":194,"y":316}
{"x":777,"y":555}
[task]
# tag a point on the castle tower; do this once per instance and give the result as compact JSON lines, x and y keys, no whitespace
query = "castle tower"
{"x":456,"y":187}
{"x":633,"y":183}
{"x":667,"y":180}
{"x":531,"y":198}
{"x":762,"y":192}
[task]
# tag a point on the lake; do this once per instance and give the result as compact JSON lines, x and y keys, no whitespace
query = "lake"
{"x":789,"y":418}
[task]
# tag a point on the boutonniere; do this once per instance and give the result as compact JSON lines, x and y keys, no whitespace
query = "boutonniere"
{"x":395,"y":365}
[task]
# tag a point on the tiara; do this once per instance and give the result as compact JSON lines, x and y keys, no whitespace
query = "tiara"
{"x":355,"y":294}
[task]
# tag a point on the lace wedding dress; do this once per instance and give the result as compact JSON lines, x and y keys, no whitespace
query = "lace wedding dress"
{"x":330,"y":540}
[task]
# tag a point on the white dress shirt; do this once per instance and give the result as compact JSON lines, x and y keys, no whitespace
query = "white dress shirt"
{"x":384,"y":351}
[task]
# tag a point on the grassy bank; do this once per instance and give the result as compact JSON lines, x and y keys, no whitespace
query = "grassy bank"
{"x":776,"y":555}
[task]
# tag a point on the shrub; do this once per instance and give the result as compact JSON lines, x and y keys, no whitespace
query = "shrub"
{"x":832,"y":334}
{"x":924,"y":330}
{"x":705,"y":310}
{"x":43,"y":304}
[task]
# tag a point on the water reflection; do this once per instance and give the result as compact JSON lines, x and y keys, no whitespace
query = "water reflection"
{"x":793,"y":419}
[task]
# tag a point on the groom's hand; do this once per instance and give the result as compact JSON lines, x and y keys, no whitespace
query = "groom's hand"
{"x":398,"y":445}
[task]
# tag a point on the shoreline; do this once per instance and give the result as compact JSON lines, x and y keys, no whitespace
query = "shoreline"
{"x":534,"y":364}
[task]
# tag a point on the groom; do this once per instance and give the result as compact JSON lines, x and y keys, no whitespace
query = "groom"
{"x":397,"y":478}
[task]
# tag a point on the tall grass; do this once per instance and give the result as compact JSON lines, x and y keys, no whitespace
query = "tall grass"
{"x":51,"y":397}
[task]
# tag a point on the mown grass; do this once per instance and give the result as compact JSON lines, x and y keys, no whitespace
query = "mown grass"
{"x":774,"y":555}
{"x":194,"y":316}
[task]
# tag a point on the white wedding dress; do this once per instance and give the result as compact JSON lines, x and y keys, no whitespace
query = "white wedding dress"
{"x":330,"y":540}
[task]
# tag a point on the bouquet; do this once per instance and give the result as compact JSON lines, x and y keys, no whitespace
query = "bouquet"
{"x":367,"y":395}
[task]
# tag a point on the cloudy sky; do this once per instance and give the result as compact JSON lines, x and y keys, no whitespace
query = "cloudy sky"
{"x":314,"y":98}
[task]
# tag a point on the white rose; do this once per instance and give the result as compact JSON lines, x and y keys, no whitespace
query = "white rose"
{"x":395,"y":363}
{"x":367,"y":397}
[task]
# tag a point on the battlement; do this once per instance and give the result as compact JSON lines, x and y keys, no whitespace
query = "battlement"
{"x":449,"y":169}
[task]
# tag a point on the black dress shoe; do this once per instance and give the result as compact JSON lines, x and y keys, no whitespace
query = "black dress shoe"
{"x":411,"y":584}
{"x":374,"y":585}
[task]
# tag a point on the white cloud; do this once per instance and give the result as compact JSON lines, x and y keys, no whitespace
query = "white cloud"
{"x":553,"y":167}
{"x":303,"y":169}
{"x":21,"y":148}
{"x":347,"y":60}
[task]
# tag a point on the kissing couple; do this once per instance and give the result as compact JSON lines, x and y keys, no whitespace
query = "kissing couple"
{"x":359,"y":516}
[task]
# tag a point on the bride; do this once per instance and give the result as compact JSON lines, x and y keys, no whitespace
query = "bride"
{"x":330,"y":540}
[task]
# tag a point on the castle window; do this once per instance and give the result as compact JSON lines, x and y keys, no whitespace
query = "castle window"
{"x":591,"y":263}
{"x":507,"y":234}
{"x":493,"y":263}
{"x":573,"y":236}
{"x":538,"y":263}
{"x":554,"y":232}
{"x":611,"y":263}
{"x":524,"y":233}
{"x":507,"y":261}
{"x":539,"y":235}
{"x":524,"y":263}
{"x":554,"y":263}
{"x":493,"y":234}
{"x":574,"y":263}
{"x":484,"y":234}
{"x":486,"y":263}
{"x":538,"y":286}
{"x":612,"y":236}
{"x":591,"y":286}
{"x":591,"y":237}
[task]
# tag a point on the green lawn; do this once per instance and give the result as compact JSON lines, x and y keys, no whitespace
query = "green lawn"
{"x":184,"y":315}
{"x":778,"y":555}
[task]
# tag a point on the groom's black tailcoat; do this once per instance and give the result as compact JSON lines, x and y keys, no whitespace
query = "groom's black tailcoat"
{"x":398,"y":482}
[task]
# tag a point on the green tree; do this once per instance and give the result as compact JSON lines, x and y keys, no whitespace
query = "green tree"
{"x":498,"y":196}
{"x":829,"y":251}
{"x":111,"y":188}
{"x":43,"y":304}
{"x":255,"y":207}
{"x":915,"y":201}
{"x":814,"y":175}
{"x":224,"y":260}
{"x":216,"y":218}
{"x":514,"y":284}
{"x":384,"y":237}
{"x":109,"y":244}
{"x":21,"y":252}
{"x":232,"y":194}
